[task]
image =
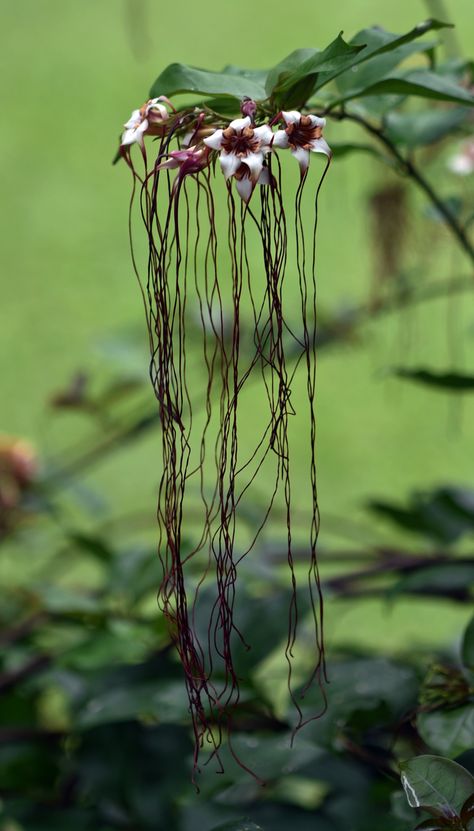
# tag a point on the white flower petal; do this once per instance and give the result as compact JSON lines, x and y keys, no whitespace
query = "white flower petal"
{"x":229,"y":163}
{"x":128,"y":137}
{"x":254,"y":162}
{"x":264,"y":178}
{"x":264,"y":134}
{"x":280,"y":139}
{"x":302,"y":157}
{"x":245,"y":188}
{"x":240,"y":123}
{"x":214,"y":141}
{"x":321,"y":146}
{"x":317,"y":122}
{"x":134,"y":119}
{"x":160,"y":109}
{"x":135,"y":134}
{"x":291,"y":116}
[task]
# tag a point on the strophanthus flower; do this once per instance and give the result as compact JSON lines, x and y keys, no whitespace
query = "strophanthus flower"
{"x":188,"y":160}
{"x":303,"y":134}
{"x":150,"y":119}
{"x":242,"y":145}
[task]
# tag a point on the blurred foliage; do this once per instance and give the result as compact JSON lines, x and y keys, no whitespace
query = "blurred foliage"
{"x":94,"y":727}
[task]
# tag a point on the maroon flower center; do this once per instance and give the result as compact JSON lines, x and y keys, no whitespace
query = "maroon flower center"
{"x":303,"y":133}
{"x":241,"y":143}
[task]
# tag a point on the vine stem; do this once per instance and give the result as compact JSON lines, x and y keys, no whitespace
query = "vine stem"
{"x":409,"y":168}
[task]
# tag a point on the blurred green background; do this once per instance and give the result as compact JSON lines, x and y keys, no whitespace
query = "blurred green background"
{"x":73,"y":73}
{"x":78,"y":564}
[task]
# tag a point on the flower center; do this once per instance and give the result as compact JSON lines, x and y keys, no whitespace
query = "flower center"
{"x":303,"y":133}
{"x":240,"y":143}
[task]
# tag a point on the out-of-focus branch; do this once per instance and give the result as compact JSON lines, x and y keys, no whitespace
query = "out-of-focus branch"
{"x":407,"y":166}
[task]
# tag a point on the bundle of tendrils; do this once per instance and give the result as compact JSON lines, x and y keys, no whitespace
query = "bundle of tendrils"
{"x":227,"y":263}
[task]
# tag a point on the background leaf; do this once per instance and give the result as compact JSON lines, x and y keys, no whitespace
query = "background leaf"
{"x":416,"y":129}
{"x":468,"y":646}
{"x":448,"y":381}
{"x":450,"y":732}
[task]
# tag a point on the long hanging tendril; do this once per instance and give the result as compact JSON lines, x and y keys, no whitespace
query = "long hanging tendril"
{"x":195,"y":272}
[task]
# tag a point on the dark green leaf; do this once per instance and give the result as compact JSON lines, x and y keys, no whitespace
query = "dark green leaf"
{"x":421,"y":128}
{"x":379,"y":41}
{"x":259,"y":76}
{"x":418,"y":82}
{"x":91,"y":544}
{"x":164,"y":702}
{"x":287,"y":66}
{"x":374,"y":69}
{"x":431,"y":781}
{"x":179,"y":78}
{"x":445,"y":381}
{"x":467,"y":652}
{"x":433,"y":824}
{"x":304,"y":64}
{"x":445,"y":514}
{"x":383,"y":51}
{"x":451,"y":577}
{"x":449,"y":732}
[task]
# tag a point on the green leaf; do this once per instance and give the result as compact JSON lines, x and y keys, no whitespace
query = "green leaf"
{"x":179,"y":78}
{"x":165,"y":703}
{"x":418,"y":129}
{"x":450,"y":732}
{"x":445,"y":514}
{"x":434,"y":782}
{"x":287,"y":66}
{"x":383,"y":52}
{"x":372,"y":70}
{"x":444,"y":381}
{"x":259,"y":76}
{"x":467,"y":650}
{"x":379,"y":41}
{"x":451,"y":577}
{"x":417,"y":82}
{"x":309,"y":63}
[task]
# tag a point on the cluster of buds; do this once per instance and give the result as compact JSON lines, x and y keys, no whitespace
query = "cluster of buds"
{"x":242,"y":146}
{"x":18,"y":469}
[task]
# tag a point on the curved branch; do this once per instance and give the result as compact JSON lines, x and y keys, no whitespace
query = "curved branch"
{"x":409,"y":168}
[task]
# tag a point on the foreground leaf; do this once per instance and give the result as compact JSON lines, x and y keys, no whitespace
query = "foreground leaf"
{"x":178,"y":78}
{"x":304,"y":63}
{"x":434,"y":782}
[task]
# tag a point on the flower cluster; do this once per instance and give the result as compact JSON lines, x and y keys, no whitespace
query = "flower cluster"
{"x":242,"y":146}
{"x":150,"y":119}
